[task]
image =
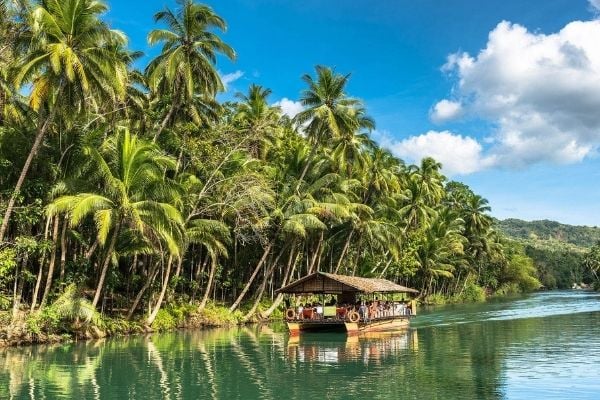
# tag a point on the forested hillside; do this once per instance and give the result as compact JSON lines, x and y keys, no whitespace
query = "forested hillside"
{"x":558,"y":250}
{"x":582,"y":236}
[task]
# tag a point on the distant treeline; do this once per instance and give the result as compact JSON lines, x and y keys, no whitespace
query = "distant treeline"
{"x":583,"y":236}
{"x":561,"y":252}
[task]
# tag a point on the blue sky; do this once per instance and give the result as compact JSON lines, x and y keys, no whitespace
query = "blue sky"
{"x":511,"y":108}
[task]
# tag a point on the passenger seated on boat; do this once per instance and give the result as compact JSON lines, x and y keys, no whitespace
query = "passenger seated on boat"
{"x":341,"y":312}
{"x":308,"y":312}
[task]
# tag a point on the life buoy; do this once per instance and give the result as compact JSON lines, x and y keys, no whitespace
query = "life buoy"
{"x":353,"y":316}
{"x":290,"y":313}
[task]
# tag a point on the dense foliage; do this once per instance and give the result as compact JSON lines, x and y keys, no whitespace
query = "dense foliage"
{"x":558,"y":250}
{"x":141,"y":189}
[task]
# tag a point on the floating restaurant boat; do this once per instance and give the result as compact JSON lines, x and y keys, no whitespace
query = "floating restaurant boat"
{"x":360,"y":304}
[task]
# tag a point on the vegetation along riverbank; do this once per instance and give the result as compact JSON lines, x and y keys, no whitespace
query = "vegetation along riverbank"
{"x":132,"y":199}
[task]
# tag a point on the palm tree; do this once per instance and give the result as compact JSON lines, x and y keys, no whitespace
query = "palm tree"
{"x":415,"y":210}
{"x":256,"y":119}
{"x":12,"y":107}
{"x":474,"y":215}
{"x":328,"y":110}
{"x":133,"y":194}
{"x":185,"y":67}
{"x":431,"y":181}
{"x":214,"y":236}
{"x":329,"y":113}
{"x":382,"y":175}
{"x":68,"y":65}
{"x":441,"y":249}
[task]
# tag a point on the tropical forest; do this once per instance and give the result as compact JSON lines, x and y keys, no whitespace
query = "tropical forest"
{"x":133,"y":199}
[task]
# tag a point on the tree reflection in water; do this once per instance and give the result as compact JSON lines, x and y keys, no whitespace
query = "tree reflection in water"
{"x":462,"y":359}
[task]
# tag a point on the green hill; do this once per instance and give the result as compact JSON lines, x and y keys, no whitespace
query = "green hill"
{"x":545,"y":230}
{"x":556,"y":249}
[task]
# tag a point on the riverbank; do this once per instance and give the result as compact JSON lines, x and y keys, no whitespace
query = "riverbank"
{"x":44,"y":327}
{"x":51,"y":325}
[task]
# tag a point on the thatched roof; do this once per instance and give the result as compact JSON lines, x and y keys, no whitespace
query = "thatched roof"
{"x":322,"y":282}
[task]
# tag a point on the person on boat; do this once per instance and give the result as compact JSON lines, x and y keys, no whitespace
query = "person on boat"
{"x":398,"y":308}
{"x":363,"y":311}
{"x":319,"y":310}
{"x":373,"y":309}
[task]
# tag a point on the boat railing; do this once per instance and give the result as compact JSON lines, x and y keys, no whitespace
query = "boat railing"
{"x":363,"y":313}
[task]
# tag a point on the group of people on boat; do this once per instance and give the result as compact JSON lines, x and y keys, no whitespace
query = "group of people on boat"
{"x":382,"y":309}
{"x":361,"y":310}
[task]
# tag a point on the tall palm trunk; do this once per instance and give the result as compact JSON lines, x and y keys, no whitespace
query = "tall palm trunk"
{"x":316,"y":255}
{"x":18,"y":286}
{"x":387,"y":265}
{"x":267,"y":277}
{"x":161,"y":296}
{"x":179,"y":264}
{"x":164,"y":122}
{"x":313,"y":150}
{"x":262,"y":260}
{"x":52,"y":263}
{"x":106,"y":264}
{"x":63,"y":249}
{"x":38,"y":281}
{"x":92,"y":248}
{"x":150,"y":279}
{"x":291,"y":266}
{"x":357,"y":258}
{"x":211,"y":278}
{"x":344,"y":250}
{"x":43,"y":128}
{"x":259,"y":294}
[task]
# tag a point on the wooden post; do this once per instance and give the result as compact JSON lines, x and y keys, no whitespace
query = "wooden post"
{"x":413,"y":307}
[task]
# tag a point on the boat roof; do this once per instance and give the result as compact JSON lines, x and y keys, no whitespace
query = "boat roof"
{"x":323,"y":282}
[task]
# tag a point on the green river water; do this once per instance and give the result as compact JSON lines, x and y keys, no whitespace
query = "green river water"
{"x":542,"y":346}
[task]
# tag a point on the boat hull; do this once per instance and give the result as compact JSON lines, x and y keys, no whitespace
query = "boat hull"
{"x":352,"y":328}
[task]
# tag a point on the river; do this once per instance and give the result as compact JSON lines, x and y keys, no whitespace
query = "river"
{"x":541,"y":346}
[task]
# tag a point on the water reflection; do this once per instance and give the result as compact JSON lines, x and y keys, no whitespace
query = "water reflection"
{"x":368,"y":349}
{"x":480,"y":356}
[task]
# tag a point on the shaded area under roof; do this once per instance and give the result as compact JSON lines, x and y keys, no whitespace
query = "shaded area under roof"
{"x":323,"y":282}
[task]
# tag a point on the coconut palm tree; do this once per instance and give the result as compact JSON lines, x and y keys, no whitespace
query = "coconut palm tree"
{"x":441,"y":249}
{"x":415,"y":210}
{"x":257,"y":119}
{"x":133,"y":194}
{"x":185,"y":68}
{"x":69,"y":67}
{"x":329,"y":112}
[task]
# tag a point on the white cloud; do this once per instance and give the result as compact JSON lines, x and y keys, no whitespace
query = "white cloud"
{"x":228,"y":79}
{"x":459,"y":155}
{"x":289,"y":107}
{"x":446,"y":110}
{"x":595,"y":4}
{"x":542,"y":92}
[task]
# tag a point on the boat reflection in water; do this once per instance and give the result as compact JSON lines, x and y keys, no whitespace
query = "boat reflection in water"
{"x":369,"y":348}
